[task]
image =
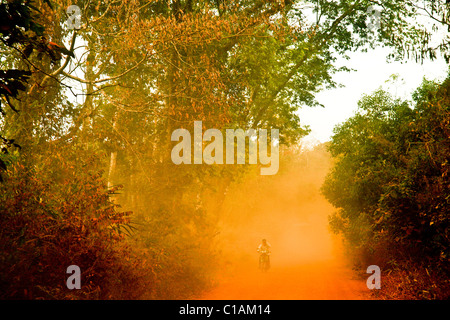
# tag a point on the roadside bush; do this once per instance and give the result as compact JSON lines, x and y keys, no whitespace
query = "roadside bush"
{"x":392,"y":189}
{"x":57,"y":214}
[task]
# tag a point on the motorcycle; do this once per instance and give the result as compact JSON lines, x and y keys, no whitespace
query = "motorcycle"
{"x":264,"y":260}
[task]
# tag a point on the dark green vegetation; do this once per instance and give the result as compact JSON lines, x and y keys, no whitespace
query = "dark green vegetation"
{"x":87,"y":114}
{"x":391,"y":184}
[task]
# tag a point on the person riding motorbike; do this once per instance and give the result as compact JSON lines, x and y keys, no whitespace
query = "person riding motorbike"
{"x":264,"y":259}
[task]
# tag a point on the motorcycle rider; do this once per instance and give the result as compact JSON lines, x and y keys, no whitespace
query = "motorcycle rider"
{"x":264,"y":250}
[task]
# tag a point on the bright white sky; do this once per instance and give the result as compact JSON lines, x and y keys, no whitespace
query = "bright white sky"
{"x":372,"y":72}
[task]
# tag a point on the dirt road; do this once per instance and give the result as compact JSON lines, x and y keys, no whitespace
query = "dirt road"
{"x":308,"y":260}
{"x":308,"y":281}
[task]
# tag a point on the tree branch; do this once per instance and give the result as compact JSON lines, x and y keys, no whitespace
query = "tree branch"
{"x":321,"y":41}
{"x":107,"y":79}
{"x":64,"y":65}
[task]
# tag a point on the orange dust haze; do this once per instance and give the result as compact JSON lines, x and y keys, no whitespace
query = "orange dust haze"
{"x":287,"y":209}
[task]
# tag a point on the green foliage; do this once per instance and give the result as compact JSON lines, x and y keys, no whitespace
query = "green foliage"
{"x":149,"y":67}
{"x":390,"y":183}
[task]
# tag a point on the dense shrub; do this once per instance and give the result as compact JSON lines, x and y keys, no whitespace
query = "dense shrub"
{"x":391,"y":184}
{"x":58,"y":214}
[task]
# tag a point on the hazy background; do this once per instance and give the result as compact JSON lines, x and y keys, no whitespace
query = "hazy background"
{"x":286,"y":209}
{"x":371,"y":71}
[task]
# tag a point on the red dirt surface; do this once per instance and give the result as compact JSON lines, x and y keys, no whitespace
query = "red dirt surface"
{"x":309,"y":281}
{"x":307,"y":260}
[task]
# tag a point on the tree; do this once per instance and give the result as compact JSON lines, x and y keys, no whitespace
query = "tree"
{"x":390,"y":182}
{"x":145,"y":68}
{"x":17,"y":20}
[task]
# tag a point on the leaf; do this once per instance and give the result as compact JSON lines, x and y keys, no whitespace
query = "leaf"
{"x":2,"y":165}
{"x":37,"y":28}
